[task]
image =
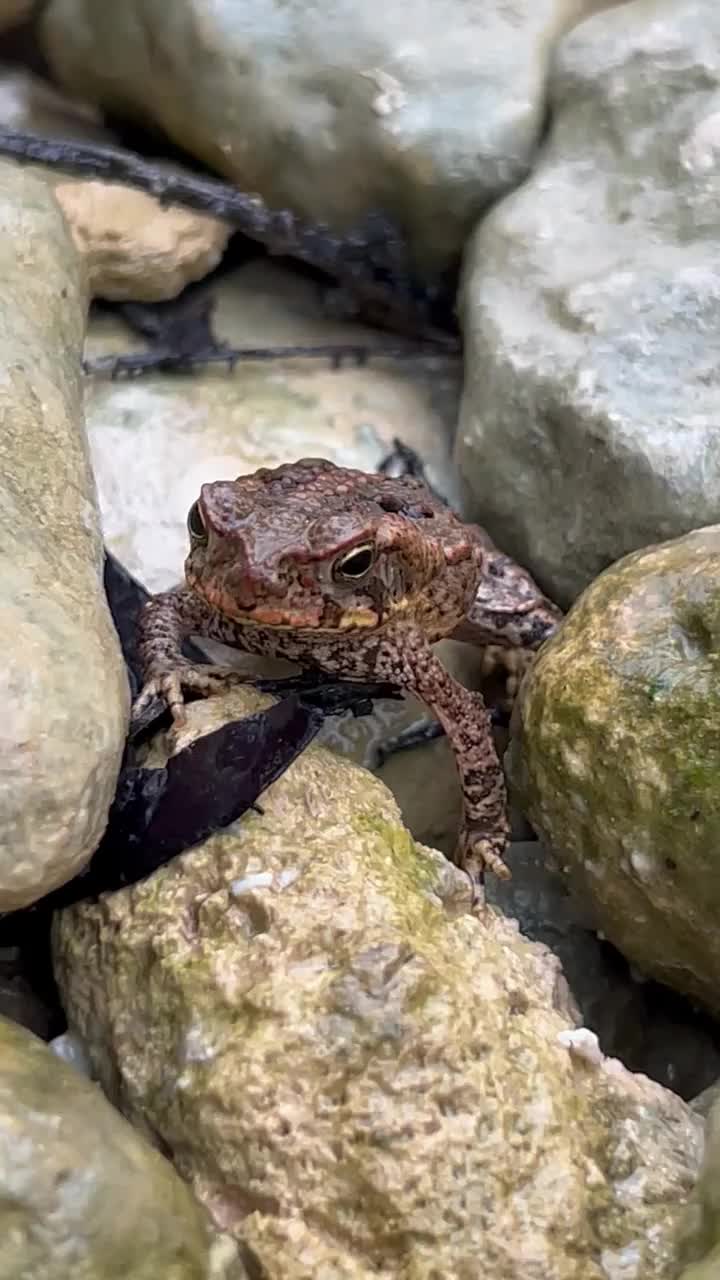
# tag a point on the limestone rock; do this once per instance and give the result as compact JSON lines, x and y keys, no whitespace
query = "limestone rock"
{"x":63,"y":688}
{"x":327,"y":108}
{"x":617,"y":758}
{"x":351,"y":1080}
{"x":81,"y":1194}
{"x":591,"y":306}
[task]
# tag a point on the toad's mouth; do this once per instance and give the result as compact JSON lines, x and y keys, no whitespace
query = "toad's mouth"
{"x":281,"y":616}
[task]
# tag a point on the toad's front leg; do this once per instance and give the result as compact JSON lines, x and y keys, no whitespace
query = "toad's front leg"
{"x":464,"y":717}
{"x":165,"y":622}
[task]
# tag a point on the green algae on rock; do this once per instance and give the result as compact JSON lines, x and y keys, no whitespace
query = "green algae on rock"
{"x":82,"y":1196}
{"x":355,"y":1076}
{"x":617,"y":757}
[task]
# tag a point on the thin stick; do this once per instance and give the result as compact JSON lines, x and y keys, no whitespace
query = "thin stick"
{"x":134,"y":364}
{"x":356,"y":260}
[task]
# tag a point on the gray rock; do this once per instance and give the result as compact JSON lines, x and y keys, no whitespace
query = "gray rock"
{"x":591,"y":306}
{"x":616,"y":758}
{"x":329,"y":108}
{"x":83,"y":1197}
{"x":63,"y":688}
{"x":355,"y":1075}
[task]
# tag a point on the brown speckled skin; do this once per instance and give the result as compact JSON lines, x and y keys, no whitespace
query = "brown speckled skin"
{"x":262,"y":575}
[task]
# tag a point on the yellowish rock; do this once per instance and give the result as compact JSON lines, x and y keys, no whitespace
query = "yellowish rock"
{"x":354,"y":1079}
{"x":134,"y":248}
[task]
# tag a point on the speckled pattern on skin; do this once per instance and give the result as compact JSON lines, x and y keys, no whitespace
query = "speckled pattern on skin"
{"x":358,"y":575}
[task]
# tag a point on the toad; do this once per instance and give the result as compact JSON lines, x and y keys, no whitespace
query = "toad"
{"x":358,"y":575}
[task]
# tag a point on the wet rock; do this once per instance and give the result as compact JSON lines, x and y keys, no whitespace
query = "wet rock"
{"x":617,"y":758}
{"x":352,"y":1075}
{"x":81,"y":1194}
{"x":591,"y":306}
{"x":332,"y":111}
{"x":134,"y":249}
{"x":63,"y":688}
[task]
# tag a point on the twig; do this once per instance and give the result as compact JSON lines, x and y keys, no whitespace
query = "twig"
{"x":370,"y":263}
{"x":135,"y":364}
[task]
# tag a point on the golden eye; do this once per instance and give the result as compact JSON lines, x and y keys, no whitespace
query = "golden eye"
{"x":357,"y":563}
{"x":196,"y":526}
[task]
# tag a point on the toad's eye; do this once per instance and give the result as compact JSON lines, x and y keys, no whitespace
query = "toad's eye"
{"x":196,"y":526}
{"x":355,"y":564}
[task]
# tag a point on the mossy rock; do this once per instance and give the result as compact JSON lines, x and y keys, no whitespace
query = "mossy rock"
{"x":616,"y":757}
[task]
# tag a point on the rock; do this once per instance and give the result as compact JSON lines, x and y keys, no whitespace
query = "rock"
{"x":702,"y":1224}
{"x":327,"y":109}
{"x":617,"y":758}
{"x":134,"y":248}
{"x":13,"y":12}
{"x":647,"y":1026}
{"x":81,"y":1194}
{"x":590,"y":306}
{"x":28,"y":104}
{"x":352,"y":1080}
{"x":63,"y":688}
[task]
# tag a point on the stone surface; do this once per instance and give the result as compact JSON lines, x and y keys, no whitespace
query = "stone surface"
{"x":617,"y":757}
{"x":63,"y":688}
{"x":28,"y":104}
{"x":702,"y":1223}
{"x":327,"y":108}
{"x":134,"y":249}
{"x":649,"y":1027}
{"x":591,"y":306}
{"x":354,"y":1082}
{"x":83,"y":1197}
